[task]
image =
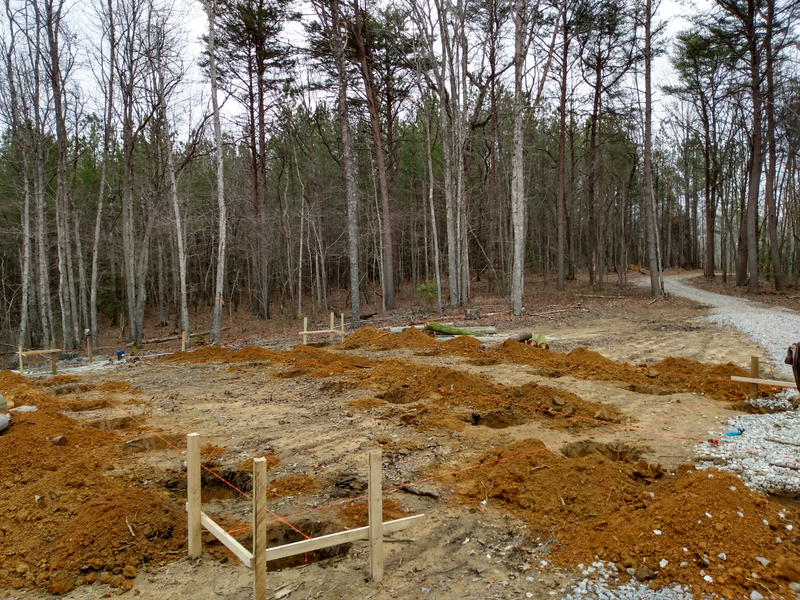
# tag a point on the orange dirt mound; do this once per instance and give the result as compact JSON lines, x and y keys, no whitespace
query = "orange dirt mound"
{"x":462,"y":342}
{"x":366,"y":403}
{"x":547,"y":489}
{"x":356,"y":514}
{"x":116,"y":387}
{"x":448,"y":394}
{"x":206,"y":354}
{"x":713,"y":381}
{"x":294,"y":485}
{"x":679,"y":508}
{"x":58,"y":511}
{"x":597,"y":507}
{"x":315,"y":362}
{"x":363,"y":338}
{"x":411,"y":338}
{"x":678,"y":374}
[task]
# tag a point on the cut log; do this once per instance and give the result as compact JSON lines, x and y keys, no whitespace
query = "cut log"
{"x":450,"y":330}
{"x":521,"y":337}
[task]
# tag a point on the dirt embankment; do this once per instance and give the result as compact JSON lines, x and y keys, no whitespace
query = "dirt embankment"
{"x":63,"y":521}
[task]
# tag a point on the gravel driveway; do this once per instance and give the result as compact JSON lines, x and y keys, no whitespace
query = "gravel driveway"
{"x":774,"y":329}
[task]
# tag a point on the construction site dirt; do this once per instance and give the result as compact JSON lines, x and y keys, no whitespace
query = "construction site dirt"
{"x":526,"y":463}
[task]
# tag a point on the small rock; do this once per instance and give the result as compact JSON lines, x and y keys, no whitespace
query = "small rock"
{"x":349,"y":413}
{"x":794,"y":586}
{"x":722,"y":556}
{"x":664,"y":562}
{"x":426,"y":590}
{"x":283,"y":593}
{"x":59,"y":440}
{"x":61,"y":583}
{"x":754,"y":595}
{"x":684,"y":564}
{"x":129,"y":571}
{"x":644,"y":573}
{"x":657,"y":531}
{"x":383,"y":439}
{"x":630,"y":571}
{"x":708,"y":578}
{"x":764,"y":562}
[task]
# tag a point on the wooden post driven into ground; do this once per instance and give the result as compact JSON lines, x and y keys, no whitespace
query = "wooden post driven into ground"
{"x":19,"y":351}
{"x":53,"y":357}
{"x":333,"y":324}
{"x":754,"y":374}
{"x":193,"y":494}
{"x":341,"y":319}
{"x":89,"y":346}
{"x":183,"y":341}
{"x":260,"y":529}
{"x":375,"y":516}
{"x":305,"y":330}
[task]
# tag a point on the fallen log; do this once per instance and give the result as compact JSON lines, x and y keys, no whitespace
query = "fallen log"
{"x":450,"y":330}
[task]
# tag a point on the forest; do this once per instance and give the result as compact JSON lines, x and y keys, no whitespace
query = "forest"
{"x":314,"y":152}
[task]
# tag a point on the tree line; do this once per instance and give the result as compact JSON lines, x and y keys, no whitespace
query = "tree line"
{"x":380,"y":147}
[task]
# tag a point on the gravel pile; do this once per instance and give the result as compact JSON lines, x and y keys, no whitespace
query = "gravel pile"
{"x":598,"y":585}
{"x":774,"y":329}
{"x":765,"y":456}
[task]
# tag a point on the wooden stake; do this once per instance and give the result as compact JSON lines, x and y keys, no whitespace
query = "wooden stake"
{"x":193,"y":494}
{"x":89,"y":346}
{"x":19,"y":347}
{"x":375,"y":516}
{"x":53,"y":357}
{"x":341,"y":318}
{"x":305,"y":328}
{"x":260,"y":529}
{"x":754,"y":374}
{"x":333,"y":324}
{"x":183,"y":341}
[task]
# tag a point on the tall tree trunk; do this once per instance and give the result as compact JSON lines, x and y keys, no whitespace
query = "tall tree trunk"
{"x":756,"y":160}
{"x":769,"y":190}
{"x":518,"y":212}
{"x":109,"y":114}
{"x":651,"y":231}
{"x":211,"y":9}
{"x":374,"y":118}
{"x":337,"y":42}
{"x":434,"y":231}
{"x":562,"y":147}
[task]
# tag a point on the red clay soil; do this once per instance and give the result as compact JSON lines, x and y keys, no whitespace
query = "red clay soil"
{"x":598,"y":507}
{"x":62,"y":520}
{"x":356,"y":514}
{"x":294,"y":485}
